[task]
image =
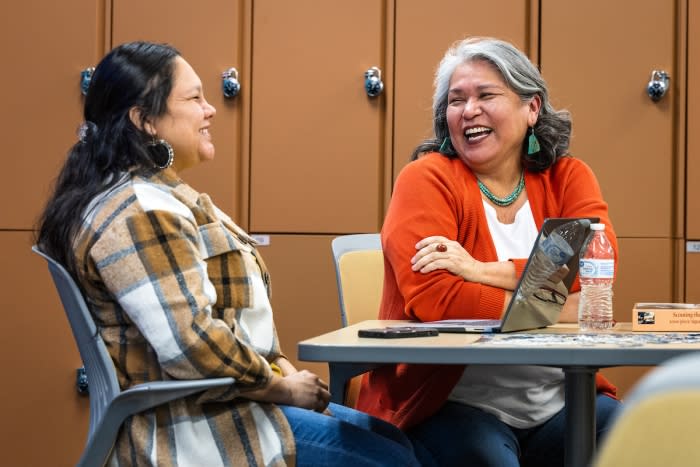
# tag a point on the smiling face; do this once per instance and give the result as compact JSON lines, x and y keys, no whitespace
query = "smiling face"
{"x":486,"y":119}
{"x":185,"y":124}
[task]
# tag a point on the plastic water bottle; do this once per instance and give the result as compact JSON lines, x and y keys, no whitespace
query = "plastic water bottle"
{"x":596,"y":272}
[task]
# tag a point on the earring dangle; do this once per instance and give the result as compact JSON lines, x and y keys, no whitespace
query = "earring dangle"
{"x":533,"y":144}
{"x":162,"y":151}
{"x":446,"y":144}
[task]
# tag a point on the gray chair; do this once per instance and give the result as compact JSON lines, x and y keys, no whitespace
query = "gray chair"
{"x":657,"y":422}
{"x":109,"y":405}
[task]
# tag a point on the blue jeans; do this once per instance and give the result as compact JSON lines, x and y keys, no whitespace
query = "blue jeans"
{"x":347,"y":438}
{"x":460,"y":435}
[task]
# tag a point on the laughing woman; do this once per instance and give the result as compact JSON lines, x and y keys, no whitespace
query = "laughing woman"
{"x":462,"y":220}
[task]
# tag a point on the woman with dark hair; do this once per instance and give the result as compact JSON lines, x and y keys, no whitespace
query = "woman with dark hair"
{"x":461,"y":223}
{"x":179,"y":291}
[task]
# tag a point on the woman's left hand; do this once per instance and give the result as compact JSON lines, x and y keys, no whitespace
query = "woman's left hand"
{"x":441,"y":253}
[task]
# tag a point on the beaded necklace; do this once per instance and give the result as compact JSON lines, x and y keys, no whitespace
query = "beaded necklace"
{"x":508,"y":200}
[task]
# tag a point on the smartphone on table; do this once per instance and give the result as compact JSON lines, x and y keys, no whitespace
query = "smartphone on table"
{"x":395,"y":332}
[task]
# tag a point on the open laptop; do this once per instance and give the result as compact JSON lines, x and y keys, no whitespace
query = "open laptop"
{"x":534,"y":304}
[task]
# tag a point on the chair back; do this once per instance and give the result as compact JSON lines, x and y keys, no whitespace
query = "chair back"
{"x":109,"y":405}
{"x":359,"y":268}
{"x":359,"y":272}
{"x":103,"y":385}
{"x":657,"y":422}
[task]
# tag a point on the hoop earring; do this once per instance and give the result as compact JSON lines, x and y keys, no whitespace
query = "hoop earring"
{"x":162,"y":152}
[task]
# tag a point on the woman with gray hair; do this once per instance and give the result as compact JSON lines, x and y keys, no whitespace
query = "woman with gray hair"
{"x":463,"y":217}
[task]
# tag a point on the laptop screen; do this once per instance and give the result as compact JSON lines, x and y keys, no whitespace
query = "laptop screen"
{"x":536,"y":301}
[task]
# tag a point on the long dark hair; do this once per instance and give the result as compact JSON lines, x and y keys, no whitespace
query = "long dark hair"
{"x":553,"y":127}
{"x":136,"y":74}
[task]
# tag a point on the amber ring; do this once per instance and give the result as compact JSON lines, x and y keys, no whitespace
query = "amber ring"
{"x":441,"y":247}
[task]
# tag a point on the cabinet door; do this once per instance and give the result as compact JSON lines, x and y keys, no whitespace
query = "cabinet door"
{"x":44,"y":46}
{"x":693,"y":109}
{"x":46,"y":418}
{"x":212,"y":36}
{"x":317,"y":139}
{"x":304,"y":293}
{"x":424,"y":31}
{"x":597,"y":57}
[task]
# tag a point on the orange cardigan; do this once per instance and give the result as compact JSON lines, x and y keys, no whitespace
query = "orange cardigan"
{"x":435,"y":195}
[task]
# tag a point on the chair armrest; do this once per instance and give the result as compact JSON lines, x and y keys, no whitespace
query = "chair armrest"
{"x":137,"y":399}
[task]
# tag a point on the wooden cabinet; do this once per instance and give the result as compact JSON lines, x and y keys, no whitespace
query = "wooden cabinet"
{"x":43,"y":104}
{"x":692,"y":212}
{"x":317,"y":138}
{"x":46,"y":419}
{"x":598,"y":66}
{"x":212,"y":36}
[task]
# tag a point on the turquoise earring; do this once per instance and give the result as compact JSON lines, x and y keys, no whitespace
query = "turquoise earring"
{"x":533,"y":144}
{"x":446,"y":144}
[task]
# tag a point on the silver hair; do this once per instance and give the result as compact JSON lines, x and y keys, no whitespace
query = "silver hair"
{"x":553,"y":128}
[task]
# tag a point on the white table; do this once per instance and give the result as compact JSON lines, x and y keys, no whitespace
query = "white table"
{"x":579,"y":356}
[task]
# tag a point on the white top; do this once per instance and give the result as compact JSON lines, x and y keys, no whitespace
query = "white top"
{"x":521,"y":396}
{"x":512,"y":240}
{"x":598,"y":226}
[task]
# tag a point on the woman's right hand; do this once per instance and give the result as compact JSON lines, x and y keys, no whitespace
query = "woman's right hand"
{"x":439,"y":252}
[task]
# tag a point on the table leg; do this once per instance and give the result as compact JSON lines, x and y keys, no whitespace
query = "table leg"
{"x":341,"y":373}
{"x":580,"y":416}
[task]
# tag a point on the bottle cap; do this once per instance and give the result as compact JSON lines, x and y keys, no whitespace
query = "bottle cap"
{"x":598,"y":226}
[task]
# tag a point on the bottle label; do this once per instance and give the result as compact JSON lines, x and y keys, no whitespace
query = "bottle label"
{"x":597,"y":268}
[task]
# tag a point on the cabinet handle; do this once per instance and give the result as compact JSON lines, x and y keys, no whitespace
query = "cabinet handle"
{"x":658,"y":85}
{"x":230,"y":84}
{"x":373,"y":82}
{"x":85,"y":77}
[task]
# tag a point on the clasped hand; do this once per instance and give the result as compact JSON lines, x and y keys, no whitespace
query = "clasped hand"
{"x":296,"y":388}
{"x":308,"y":391}
{"x":438,"y":252}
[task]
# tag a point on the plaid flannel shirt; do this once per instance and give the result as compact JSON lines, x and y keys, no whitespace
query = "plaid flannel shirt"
{"x":178,"y":291}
